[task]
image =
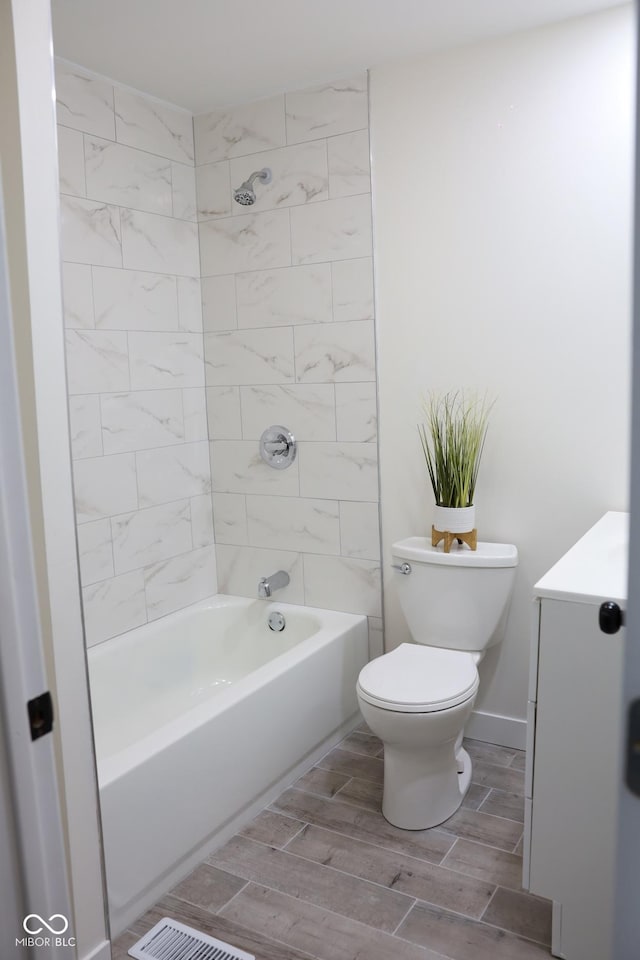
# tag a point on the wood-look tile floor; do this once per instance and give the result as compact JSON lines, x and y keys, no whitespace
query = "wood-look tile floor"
{"x":321,"y":874}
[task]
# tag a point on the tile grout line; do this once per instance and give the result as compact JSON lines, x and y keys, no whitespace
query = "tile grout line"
{"x":489,"y":902}
{"x":192,"y":903}
{"x":302,"y":828}
{"x":340,"y":789}
{"x":479,"y":843}
{"x":153,"y":213}
{"x":345,"y":798}
{"x":496,"y":816}
{"x":519,"y":936}
{"x":276,"y":940}
{"x":269,"y":809}
{"x":519,"y":754}
{"x":250,"y":929}
{"x":493,"y":763}
{"x":362,"y":755}
{"x":333,"y":913}
{"x":433,"y":954}
{"x":322,"y":796}
{"x":395,"y":931}
{"x":484,"y":923}
{"x":400,"y":853}
{"x":265,"y":843}
{"x":497,"y":766}
{"x":456,"y":913}
{"x":327,"y":866}
{"x":443,"y":861}
{"x":329,"y":770}
{"x":447,"y":835}
{"x":231,"y":899}
{"x":357,"y":734}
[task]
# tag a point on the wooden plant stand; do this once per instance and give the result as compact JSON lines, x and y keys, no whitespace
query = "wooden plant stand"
{"x":470,"y":538}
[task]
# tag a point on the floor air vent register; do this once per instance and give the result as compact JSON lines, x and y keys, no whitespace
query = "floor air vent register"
{"x":170,"y":940}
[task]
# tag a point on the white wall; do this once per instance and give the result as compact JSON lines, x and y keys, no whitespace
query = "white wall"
{"x":502,"y":232}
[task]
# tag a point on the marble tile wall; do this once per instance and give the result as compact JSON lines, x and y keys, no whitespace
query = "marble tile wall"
{"x":135,"y":354}
{"x":193,"y":323}
{"x":288,"y":316}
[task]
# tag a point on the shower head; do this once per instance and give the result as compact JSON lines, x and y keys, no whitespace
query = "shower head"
{"x":245,"y":194}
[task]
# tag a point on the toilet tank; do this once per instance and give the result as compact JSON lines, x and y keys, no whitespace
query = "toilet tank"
{"x":457,"y":600}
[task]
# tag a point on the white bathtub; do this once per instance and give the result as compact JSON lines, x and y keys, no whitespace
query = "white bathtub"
{"x":200,"y":719}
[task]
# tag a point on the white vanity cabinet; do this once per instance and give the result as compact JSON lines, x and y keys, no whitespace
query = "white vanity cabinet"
{"x":573,"y":741}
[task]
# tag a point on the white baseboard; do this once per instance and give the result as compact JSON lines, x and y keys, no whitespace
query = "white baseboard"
{"x":101,"y":952}
{"x":492,"y":728}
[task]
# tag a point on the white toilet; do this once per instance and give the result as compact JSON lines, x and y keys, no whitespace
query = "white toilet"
{"x":418,"y":697}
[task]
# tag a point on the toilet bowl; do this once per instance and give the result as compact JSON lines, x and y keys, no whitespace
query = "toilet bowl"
{"x":418,"y":698}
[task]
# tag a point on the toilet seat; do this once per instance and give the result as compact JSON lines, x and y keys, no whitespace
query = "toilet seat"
{"x":419,"y":679}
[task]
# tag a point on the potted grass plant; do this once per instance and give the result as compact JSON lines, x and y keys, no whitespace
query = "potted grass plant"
{"x":452,"y":438}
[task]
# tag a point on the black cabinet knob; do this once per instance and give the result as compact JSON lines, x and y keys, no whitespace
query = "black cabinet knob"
{"x":610,"y":617}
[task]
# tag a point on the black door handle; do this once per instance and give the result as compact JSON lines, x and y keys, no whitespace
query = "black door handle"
{"x":610,"y":617}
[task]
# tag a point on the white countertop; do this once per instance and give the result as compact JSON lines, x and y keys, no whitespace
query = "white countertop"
{"x":595,"y":568}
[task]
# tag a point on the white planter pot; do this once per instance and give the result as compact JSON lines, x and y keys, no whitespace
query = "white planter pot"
{"x":454,"y":519}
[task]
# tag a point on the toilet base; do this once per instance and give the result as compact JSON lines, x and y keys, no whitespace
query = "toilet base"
{"x":415,"y":799}
{"x":426,"y":769}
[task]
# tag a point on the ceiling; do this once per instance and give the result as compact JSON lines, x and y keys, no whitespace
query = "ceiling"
{"x":203,"y":54}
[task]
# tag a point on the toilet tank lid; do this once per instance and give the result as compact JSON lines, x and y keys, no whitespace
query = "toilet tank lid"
{"x":419,"y":550}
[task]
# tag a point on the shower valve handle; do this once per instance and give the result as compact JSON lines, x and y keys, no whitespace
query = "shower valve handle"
{"x":278,"y":446}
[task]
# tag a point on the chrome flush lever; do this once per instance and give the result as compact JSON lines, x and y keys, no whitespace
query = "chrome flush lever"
{"x":404,"y":568}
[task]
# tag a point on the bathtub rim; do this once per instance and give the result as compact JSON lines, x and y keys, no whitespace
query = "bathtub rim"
{"x":331,"y":623}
